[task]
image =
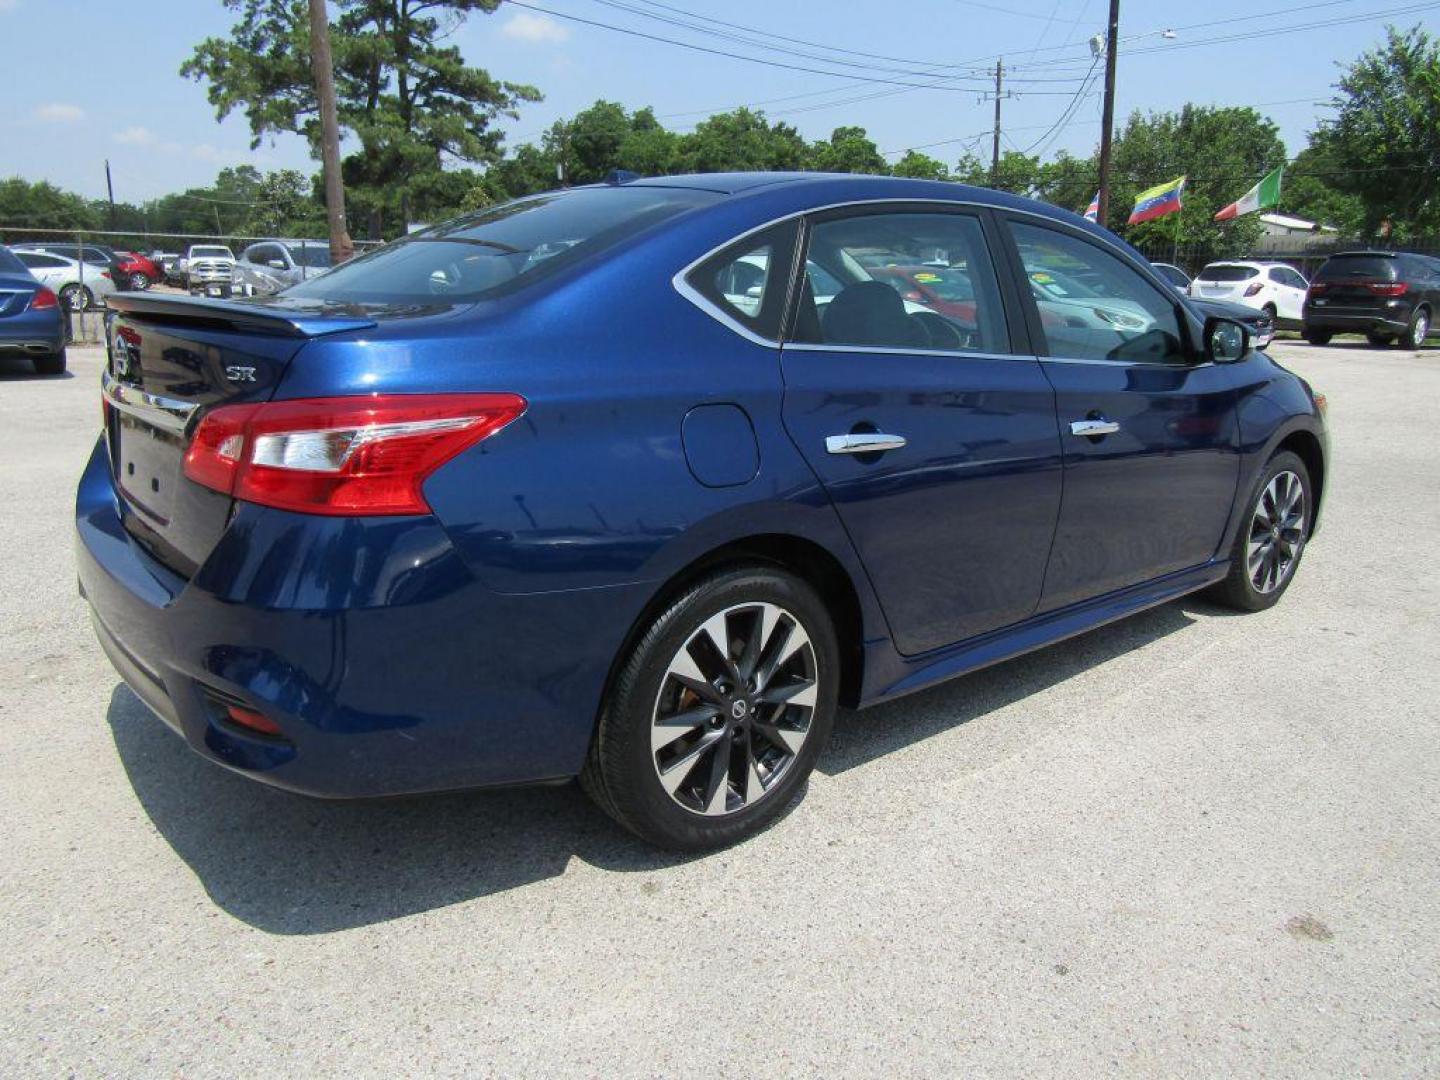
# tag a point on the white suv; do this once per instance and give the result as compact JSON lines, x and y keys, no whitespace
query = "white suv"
{"x":1265,"y":286}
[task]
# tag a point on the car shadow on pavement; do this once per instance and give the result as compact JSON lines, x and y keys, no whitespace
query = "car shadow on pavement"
{"x":20,"y":369}
{"x":288,"y":864}
{"x":863,"y":736}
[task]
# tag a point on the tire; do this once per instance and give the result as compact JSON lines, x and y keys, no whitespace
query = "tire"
{"x":139,"y":282}
{"x":1240,"y":589}
{"x":1380,"y":341}
{"x":1419,"y":327}
{"x":76,"y":297}
{"x":54,"y":364}
{"x":1318,"y":337}
{"x":709,"y":798}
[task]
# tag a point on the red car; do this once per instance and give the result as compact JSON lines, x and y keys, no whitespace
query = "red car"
{"x":945,"y":289}
{"x":141,"y":271}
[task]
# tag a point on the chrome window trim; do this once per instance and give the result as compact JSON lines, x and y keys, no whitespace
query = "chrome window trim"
{"x":685,"y":289}
{"x":890,"y":350}
{"x":171,"y":414}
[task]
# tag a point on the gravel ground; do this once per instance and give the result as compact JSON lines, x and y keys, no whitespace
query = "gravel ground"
{"x":1188,"y":844}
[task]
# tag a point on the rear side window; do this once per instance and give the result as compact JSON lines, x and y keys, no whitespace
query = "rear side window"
{"x":895,"y":280}
{"x":1369,"y":267}
{"x":502,"y":247}
{"x":9,"y":263}
{"x":40,"y":262}
{"x":1222,"y":272}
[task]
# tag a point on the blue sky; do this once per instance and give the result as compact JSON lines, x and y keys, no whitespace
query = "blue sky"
{"x":91,"y":79}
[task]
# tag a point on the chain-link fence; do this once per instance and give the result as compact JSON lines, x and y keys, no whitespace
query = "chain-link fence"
{"x":85,"y":268}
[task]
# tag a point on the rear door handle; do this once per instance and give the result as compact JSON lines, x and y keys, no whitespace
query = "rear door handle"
{"x":863,"y":442}
{"x":1089,"y":428}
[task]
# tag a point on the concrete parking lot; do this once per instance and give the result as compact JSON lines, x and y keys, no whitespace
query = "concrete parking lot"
{"x":1192,"y":843}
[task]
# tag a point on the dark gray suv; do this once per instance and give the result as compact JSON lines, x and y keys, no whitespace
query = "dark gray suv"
{"x":1389,"y":296}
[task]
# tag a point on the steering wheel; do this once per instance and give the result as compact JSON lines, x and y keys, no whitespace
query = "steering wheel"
{"x":944,"y":334}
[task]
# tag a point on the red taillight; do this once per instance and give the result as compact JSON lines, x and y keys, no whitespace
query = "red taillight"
{"x":1318,"y":288}
{"x":252,"y":720}
{"x":345,"y":455}
{"x":1388,"y":288}
{"x":104,"y":273}
{"x":43,"y":298}
{"x":1253,"y":290}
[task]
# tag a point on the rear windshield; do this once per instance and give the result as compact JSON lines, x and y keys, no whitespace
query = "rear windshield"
{"x":1228,"y":273}
{"x":9,"y":264}
{"x":1373,"y":267}
{"x":502,"y":246}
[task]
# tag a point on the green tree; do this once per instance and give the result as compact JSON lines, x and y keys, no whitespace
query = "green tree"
{"x":848,"y":150}
{"x":1309,"y":191}
{"x":1068,"y":182}
{"x":1018,"y":174}
{"x":413,"y":103}
{"x":649,"y":149}
{"x":1221,"y":151}
{"x":920,"y":166}
{"x":1387,"y":135}
{"x":42,"y":205}
{"x":739,"y":140}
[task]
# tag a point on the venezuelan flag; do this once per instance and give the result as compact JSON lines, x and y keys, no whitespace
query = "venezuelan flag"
{"x":1157,"y":202}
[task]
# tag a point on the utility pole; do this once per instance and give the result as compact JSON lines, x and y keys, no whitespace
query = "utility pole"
{"x":341,"y":246}
{"x":995,"y":142}
{"x":1112,"y":43}
{"x":110,"y":191}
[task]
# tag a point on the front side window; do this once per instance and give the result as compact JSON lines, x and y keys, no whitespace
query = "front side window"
{"x":1092,"y":306}
{"x":899,"y":280}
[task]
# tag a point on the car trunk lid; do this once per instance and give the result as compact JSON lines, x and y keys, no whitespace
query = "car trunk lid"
{"x":171,"y":359}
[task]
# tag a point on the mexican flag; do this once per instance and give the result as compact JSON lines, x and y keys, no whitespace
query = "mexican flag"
{"x":1262,"y":196}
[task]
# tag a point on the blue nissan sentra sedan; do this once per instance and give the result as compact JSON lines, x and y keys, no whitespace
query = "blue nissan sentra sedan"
{"x":639,"y":482}
{"x":31,"y":323}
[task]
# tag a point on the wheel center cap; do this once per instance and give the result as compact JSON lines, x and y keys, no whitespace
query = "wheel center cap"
{"x":739,"y":709}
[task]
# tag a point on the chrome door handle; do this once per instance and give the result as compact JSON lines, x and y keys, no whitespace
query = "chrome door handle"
{"x":863,"y":442}
{"x":1093,"y":427}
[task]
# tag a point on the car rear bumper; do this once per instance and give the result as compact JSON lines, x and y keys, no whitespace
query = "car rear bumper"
{"x":388,"y":667}
{"x":1390,"y":319}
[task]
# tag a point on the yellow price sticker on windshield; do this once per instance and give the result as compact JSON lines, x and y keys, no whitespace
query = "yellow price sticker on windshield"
{"x":928,"y":278}
{"x":1041,"y":277}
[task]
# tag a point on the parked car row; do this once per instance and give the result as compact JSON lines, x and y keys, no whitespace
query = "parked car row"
{"x":1389,"y":296}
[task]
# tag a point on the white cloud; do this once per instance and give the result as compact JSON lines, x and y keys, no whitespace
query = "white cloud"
{"x":136,"y":136}
{"x":213,"y":154}
{"x":59,"y":112}
{"x":540,"y":29}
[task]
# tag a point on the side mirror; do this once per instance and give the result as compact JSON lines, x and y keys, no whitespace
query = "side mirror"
{"x":1225,"y":340}
{"x":278,"y":264}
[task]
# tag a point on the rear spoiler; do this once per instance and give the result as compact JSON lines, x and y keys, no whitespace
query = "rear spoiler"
{"x":254,"y":317}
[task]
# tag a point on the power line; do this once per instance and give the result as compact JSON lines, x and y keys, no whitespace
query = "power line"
{"x":1249,"y":35}
{"x":940,"y":84}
